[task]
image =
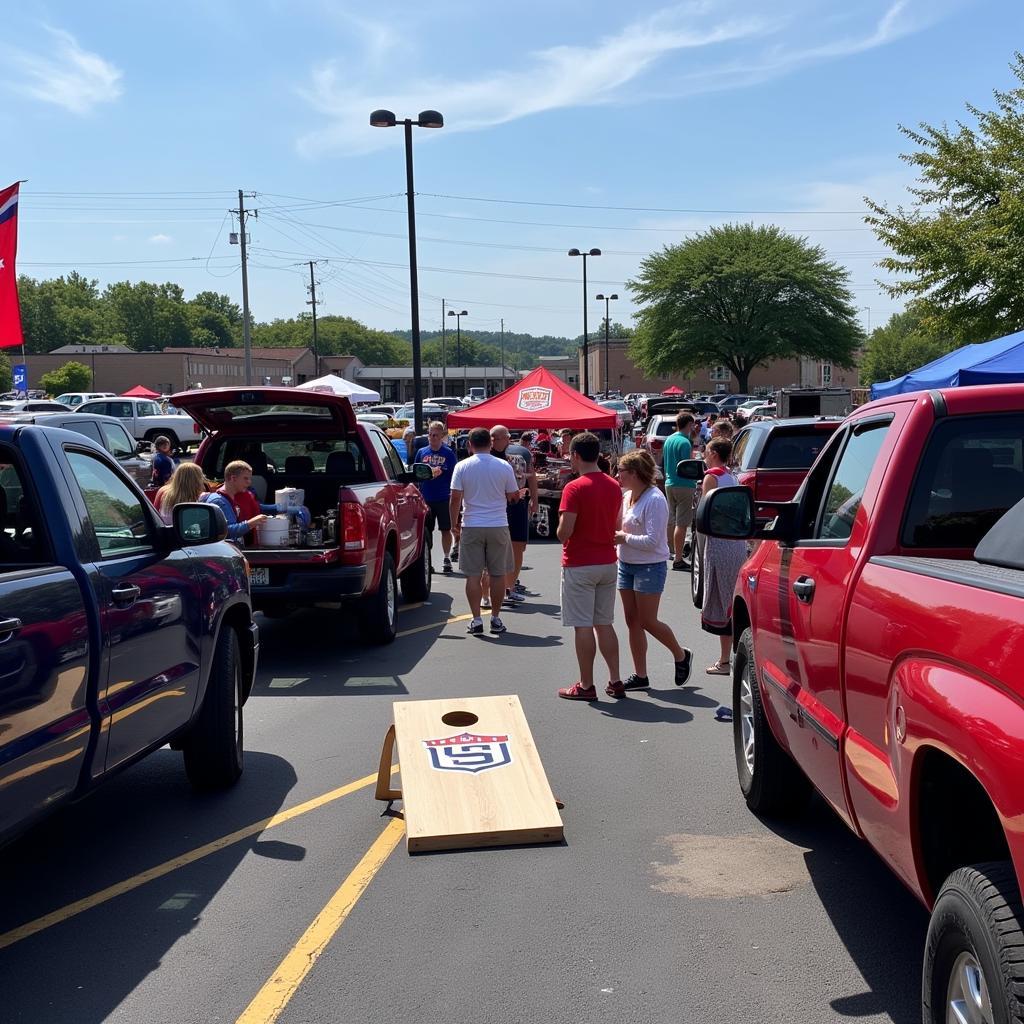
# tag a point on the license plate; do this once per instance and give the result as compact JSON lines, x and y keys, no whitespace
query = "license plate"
{"x":259,"y":577}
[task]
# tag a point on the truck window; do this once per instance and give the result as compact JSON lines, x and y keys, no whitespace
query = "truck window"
{"x":117,"y":441}
{"x":22,"y":540}
{"x":971,"y":473}
{"x":115,"y":512}
{"x":87,"y":428}
{"x":388,"y":456}
{"x":147,"y":409}
{"x":846,"y":489}
{"x":793,"y":449}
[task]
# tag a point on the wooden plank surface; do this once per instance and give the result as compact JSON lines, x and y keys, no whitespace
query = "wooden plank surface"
{"x":483,"y":786}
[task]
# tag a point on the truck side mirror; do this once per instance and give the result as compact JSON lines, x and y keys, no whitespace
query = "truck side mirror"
{"x":199,"y":523}
{"x":691,"y":469}
{"x":726,"y":512}
{"x":421,"y":472}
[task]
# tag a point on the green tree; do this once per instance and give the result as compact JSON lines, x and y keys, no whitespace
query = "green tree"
{"x":899,"y":346}
{"x":6,"y":374}
{"x":71,"y":376}
{"x":742,"y":297}
{"x":474,"y":352}
{"x":961,"y":244}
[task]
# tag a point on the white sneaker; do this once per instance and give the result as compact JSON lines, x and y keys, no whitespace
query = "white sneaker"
{"x":511,"y":597}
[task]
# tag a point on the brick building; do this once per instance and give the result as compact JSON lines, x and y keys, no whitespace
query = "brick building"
{"x":625,"y":377}
{"x":395,"y":383}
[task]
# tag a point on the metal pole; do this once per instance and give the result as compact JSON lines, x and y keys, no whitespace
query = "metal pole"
{"x":458,"y":329}
{"x":312,"y":294}
{"x":246,"y":338}
{"x":414,"y":294}
{"x":444,"y":364}
{"x":586,"y":357}
{"x":502,"y":353}
{"x":607,"y":320}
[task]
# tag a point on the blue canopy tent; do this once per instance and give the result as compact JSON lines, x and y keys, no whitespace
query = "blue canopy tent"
{"x":1000,"y":361}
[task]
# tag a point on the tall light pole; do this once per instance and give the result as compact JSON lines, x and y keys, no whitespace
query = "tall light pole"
{"x":458,"y":334}
{"x":586,"y":360}
{"x":607,"y":325}
{"x":426,"y":119}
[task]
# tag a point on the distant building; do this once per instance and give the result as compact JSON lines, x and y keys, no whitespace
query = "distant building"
{"x":395,"y":383}
{"x":566,"y":368}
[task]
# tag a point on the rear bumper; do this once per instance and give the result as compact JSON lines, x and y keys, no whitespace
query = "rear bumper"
{"x":302,"y":585}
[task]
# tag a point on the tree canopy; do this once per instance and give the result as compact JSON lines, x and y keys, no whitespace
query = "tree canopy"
{"x":899,"y":346}
{"x":71,"y":376}
{"x":961,"y":244}
{"x":741,"y":296}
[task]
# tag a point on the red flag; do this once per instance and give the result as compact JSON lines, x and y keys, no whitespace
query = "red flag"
{"x":10,"y":311}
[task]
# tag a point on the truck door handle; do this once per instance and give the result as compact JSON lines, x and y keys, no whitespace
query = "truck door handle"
{"x":126,"y":593}
{"x":8,"y":627}
{"x":804,"y":589}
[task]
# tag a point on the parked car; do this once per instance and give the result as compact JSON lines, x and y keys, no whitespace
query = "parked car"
{"x":622,"y":411}
{"x":877,"y":653}
{"x":430,"y":412}
{"x":72,"y":399}
{"x":143,"y":419}
{"x":32,"y":405}
{"x":119,"y":635}
{"x":450,"y":403}
{"x":370,"y":513}
{"x":730,"y":403}
{"x":764,"y":410}
{"x":134,"y":457}
{"x":386,"y":410}
{"x":474,"y":396}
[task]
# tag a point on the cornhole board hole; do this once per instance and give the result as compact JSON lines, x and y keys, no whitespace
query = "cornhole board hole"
{"x":471,"y":775}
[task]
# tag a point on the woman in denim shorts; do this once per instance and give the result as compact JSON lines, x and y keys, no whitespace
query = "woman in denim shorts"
{"x":643,"y":556}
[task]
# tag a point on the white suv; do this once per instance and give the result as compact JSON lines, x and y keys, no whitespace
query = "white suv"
{"x":73,"y":399}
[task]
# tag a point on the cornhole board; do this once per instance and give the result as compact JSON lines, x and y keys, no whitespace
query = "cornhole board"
{"x":471,"y":775}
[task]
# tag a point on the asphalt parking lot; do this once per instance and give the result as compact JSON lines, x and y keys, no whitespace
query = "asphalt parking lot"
{"x":288,"y":899}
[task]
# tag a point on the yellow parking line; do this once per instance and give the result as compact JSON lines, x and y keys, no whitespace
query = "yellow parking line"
{"x":269,"y":1003}
{"x":433,"y":625}
{"x":119,"y":888}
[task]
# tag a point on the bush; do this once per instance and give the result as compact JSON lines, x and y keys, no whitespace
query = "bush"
{"x":69,"y":377}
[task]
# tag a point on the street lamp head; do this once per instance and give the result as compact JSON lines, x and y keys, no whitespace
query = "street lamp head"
{"x":613,"y":296}
{"x":464,"y":313}
{"x":382,"y":119}
{"x":595,"y":252}
{"x":430,"y":119}
{"x":599,"y":296}
{"x":574,"y":252}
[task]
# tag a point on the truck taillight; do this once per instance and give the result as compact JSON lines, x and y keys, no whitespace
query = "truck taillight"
{"x":353,"y":526}
{"x":657,"y":444}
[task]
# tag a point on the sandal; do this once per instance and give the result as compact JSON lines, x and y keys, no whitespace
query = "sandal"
{"x":718,"y":669}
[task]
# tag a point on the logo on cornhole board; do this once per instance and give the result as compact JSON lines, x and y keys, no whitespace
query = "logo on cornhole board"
{"x":534,"y":399}
{"x":468,"y":753}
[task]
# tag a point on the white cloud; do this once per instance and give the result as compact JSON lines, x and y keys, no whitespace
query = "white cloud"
{"x":727,"y":44}
{"x":67,"y":75}
{"x":160,"y":239}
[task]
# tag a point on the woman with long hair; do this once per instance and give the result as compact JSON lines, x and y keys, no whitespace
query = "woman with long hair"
{"x":187,"y":484}
{"x":643,"y":555}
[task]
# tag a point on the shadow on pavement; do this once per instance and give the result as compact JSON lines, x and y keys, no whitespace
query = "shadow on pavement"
{"x":83,"y":968}
{"x":633,"y":710}
{"x":879,"y":922}
{"x":686,"y":695}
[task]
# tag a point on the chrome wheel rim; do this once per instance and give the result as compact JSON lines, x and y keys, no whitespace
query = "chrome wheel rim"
{"x":747,"y":717}
{"x":428,"y":564}
{"x":695,"y":567}
{"x":967,"y":998}
{"x":390,"y":597}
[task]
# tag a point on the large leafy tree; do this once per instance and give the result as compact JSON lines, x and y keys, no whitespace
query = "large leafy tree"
{"x":899,"y":346}
{"x":960,"y":246}
{"x":742,"y":297}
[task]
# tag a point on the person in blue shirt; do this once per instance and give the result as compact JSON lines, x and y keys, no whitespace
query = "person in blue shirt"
{"x":437,"y":492}
{"x":163,"y":465}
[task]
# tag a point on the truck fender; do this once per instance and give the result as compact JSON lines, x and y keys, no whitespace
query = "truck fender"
{"x":390,"y":537}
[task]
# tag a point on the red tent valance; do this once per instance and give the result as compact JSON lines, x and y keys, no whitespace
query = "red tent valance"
{"x":139,"y":391}
{"x":540,"y":399}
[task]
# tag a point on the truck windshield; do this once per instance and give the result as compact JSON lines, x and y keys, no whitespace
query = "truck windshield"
{"x":972,"y":472}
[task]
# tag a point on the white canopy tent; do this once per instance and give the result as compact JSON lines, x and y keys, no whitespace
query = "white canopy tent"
{"x":335,"y":385}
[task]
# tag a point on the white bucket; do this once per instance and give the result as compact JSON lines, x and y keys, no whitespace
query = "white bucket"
{"x":274,"y":533}
{"x":291,"y":497}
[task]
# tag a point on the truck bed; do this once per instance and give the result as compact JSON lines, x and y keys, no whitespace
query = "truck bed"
{"x":954,"y":570}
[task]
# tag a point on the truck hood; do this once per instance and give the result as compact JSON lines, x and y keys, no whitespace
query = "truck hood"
{"x":225,"y":411}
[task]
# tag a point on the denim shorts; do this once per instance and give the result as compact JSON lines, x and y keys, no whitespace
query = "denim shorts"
{"x":643,"y":577}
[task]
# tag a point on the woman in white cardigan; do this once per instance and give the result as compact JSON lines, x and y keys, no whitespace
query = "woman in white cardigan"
{"x":643,"y":567}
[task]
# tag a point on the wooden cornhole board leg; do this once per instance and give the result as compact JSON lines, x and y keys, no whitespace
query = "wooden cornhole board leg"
{"x":471,"y":775}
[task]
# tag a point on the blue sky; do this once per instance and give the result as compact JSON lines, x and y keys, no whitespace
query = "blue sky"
{"x":135,"y":123}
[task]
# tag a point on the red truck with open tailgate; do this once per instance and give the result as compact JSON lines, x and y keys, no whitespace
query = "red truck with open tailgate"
{"x":879,"y":638}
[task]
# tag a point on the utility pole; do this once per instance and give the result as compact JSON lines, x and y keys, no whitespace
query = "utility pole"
{"x":444,"y":361}
{"x":502,"y":353}
{"x":312,"y":302}
{"x":246,"y":334}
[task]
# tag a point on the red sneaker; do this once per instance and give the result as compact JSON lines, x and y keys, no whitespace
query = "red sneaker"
{"x":616,"y":689}
{"x":578,"y":692}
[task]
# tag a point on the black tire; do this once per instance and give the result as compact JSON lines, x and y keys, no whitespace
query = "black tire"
{"x":697,"y":570}
{"x":379,"y":611}
{"x":416,"y":579}
{"x":152,"y":435}
{"x":213,"y":747}
{"x":770,"y":780}
{"x":976,"y":931}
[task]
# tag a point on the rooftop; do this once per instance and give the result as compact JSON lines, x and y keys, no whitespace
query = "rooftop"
{"x":291,"y":354}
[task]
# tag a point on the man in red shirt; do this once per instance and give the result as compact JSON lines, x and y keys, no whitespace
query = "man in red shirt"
{"x":591,"y":511}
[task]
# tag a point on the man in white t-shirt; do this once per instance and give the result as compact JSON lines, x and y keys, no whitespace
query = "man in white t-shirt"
{"x":484,"y":485}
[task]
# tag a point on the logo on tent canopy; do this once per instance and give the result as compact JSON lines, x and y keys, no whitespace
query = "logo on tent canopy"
{"x":534,"y":399}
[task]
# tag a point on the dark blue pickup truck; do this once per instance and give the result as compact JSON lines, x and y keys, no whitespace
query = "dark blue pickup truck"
{"x":118,"y":634}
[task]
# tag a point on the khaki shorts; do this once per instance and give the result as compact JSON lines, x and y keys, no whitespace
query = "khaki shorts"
{"x":588,"y":595}
{"x":680,"y":506}
{"x":485,"y":547}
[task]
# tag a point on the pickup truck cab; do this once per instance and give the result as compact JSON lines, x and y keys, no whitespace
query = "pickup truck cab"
{"x":118,"y":634}
{"x":143,"y":419}
{"x":363,"y":500}
{"x":878,"y":643}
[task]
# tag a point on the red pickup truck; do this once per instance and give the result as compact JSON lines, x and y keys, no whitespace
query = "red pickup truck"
{"x":361,"y":496}
{"x":879,"y":637}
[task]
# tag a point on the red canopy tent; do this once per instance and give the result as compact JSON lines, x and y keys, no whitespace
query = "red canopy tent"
{"x":540,"y":399}
{"x":139,"y":391}
{"x":673,"y":390}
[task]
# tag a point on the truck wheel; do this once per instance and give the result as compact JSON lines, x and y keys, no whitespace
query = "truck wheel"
{"x":379,"y":610}
{"x":416,"y":579}
{"x":974,"y":953}
{"x":152,"y":435}
{"x":213,"y":746}
{"x":697,"y":572}
{"x":769,"y":778}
